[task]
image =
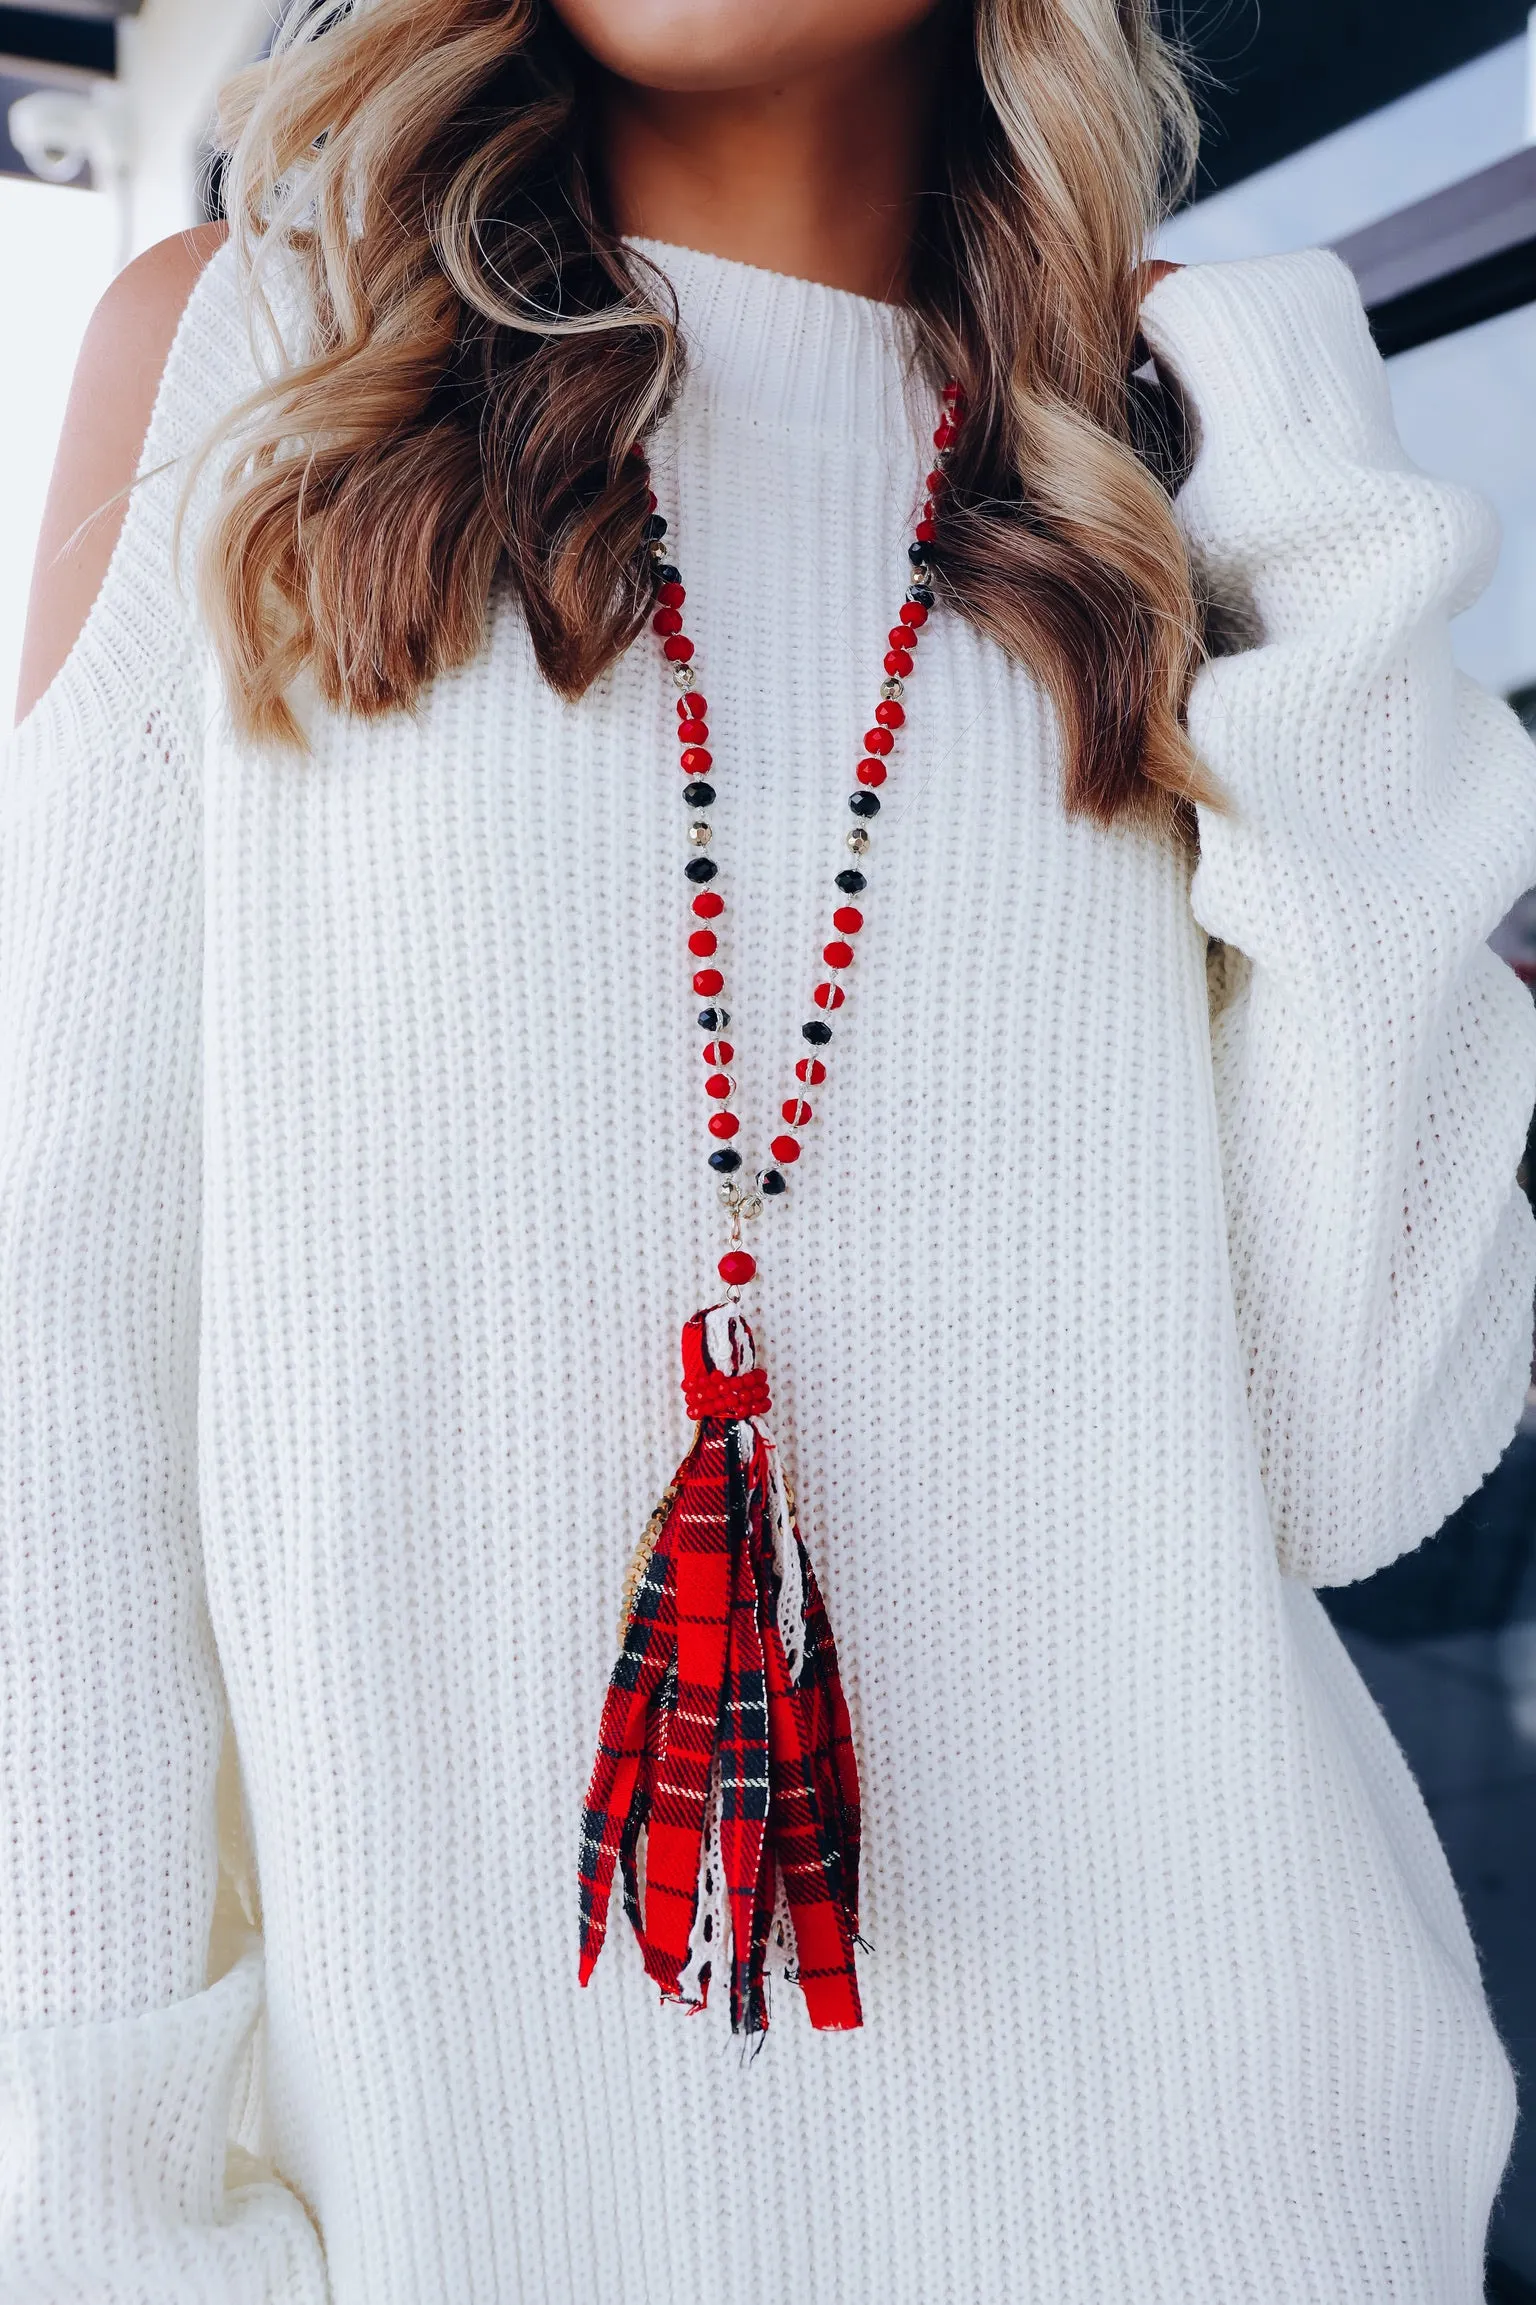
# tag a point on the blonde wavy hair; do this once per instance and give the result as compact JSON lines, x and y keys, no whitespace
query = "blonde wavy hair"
{"x":481,"y":351}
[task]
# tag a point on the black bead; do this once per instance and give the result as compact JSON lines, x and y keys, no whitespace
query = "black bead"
{"x":770,"y":1180}
{"x":861,"y":802}
{"x":667,"y":574}
{"x":714,"y":1019}
{"x":698,"y":795}
{"x":654,"y":526}
{"x":850,"y":882}
{"x":817,"y":1033}
{"x":921,"y":595}
{"x":725,"y":1160}
{"x":919,"y":554}
{"x":703,"y":867}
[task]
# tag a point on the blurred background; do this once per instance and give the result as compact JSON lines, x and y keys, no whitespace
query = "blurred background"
{"x":1402,"y":133}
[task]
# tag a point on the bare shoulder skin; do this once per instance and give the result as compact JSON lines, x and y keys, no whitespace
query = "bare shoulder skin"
{"x":110,"y":404}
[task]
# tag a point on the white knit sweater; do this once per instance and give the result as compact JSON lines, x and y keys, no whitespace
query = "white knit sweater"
{"x":352,"y":1198}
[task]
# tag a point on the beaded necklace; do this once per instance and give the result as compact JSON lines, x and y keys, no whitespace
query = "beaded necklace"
{"x":725,"y":1791}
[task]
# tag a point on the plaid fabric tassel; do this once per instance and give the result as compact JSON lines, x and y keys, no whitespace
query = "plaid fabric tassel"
{"x":725,"y":1740}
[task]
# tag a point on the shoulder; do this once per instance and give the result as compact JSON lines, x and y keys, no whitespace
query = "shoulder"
{"x":1290,"y":325}
{"x":112,"y":400}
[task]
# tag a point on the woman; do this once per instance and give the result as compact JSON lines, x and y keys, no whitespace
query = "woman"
{"x":360,"y":1169}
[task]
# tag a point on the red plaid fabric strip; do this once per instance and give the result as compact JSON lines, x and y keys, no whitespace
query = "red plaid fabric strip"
{"x":702,"y":1684}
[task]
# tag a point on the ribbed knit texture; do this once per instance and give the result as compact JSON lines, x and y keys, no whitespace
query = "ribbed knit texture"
{"x":352,"y":1196}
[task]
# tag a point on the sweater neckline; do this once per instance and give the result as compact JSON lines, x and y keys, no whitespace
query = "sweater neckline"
{"x":777,"y":350}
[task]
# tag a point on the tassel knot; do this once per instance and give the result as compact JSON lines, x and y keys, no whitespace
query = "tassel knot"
{"x":711,"y":1393}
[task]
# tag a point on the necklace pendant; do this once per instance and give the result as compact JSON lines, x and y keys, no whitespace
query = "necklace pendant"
{"x":725,"y":1778}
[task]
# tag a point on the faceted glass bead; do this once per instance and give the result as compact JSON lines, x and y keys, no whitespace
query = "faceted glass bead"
{"x":713,"y":1019}
{"x":880,"y":739}
{"x":701,"y":867}
{"x":810,"y":1069}
{"x":723,"y":1124}
{"x":718,"y":1052}
{"x":849,"y":880}
{"x":817,"y":1033}
{"x":709,"y":904}
{"x":770,"y":1180}
{"x":699,"y":834}
{"x":725,"y":1160}
{"x":848,"y":918}
{"x":864,"y":803}
{"x":837,"y":954}
{"x":871,"y":772}
{"x":667,"y":620}
{"x":718,"y":1086}
{"x":691,"y":707}
{"x":829,"y":996}
{"x":736,"y":1267}
{"x":696,"y":761}
{"x":914,"y":612}
{"x":692,"y":731}
{"x":920,"y":595}
{"x":857,"y":840}
{"x":707,"y":980}
{"x":702,"y":943}
{"x":796,"y":1111}
{"x":897,"y":662}
{"x":785,"y":1149}
{"x":699,"y":795}
{"x":678,"y":647}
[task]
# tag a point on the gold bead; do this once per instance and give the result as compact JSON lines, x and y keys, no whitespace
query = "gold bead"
{"x":698,"y":833}
{"x":858,"y":840}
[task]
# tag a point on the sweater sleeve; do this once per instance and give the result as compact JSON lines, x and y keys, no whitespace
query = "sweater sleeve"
{"x":1374,"y":1062}
{"x":120,"y":2051}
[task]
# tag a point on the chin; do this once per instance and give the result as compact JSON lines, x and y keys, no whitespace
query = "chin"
{"x":704,"y":44}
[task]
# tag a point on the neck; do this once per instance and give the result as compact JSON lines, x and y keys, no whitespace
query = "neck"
{"x":818,"y":176}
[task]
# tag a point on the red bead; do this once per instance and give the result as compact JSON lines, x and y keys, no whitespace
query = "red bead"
{"x":828,"y":996}
{"x":718,"y":1085}
{"x":945,"y":433}
{"x":889,"y":715}
{"x":692,"y":731}
{"x":722,"y":1124}
{"x":871,"y":772}
{"x":708,"y":981}
{"x":878,"y":740}
{"x":784,"y":1150}
{"x":709,"y":904}
{"x":703,"y":942}
{"x":913,"y":612}
{"x":810,"y":1068}
{"x":848,"y":918}
{"x":926,"y":531}
{"x":935,"y":481}
{"x":667,"y":620}
{"x":718,"y":1052}
{"x":671,"y":595}
{"x":902,"y":636}
{"x":898,"y":662}
{"x":837,"y":954}
{"x":692,"y":706}
{"x":650,"y":500}
{"x":678,"y":649}
{"x":695,"y":761}
{"x":796,"y":1111}
{"x":736,"y":1267}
